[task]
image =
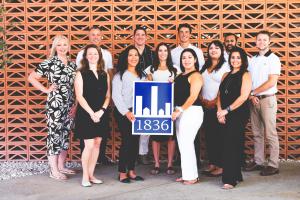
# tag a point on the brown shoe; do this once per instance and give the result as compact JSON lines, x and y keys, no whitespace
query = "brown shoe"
{"x":253,"y":167}
{"x":268,"y":171}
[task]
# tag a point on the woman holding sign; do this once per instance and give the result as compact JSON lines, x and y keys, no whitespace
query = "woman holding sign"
{"x":162,"y":70}
{"x":188,"y":114}
{"x":122,"y":95}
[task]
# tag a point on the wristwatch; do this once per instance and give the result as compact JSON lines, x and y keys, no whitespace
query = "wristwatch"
{"x":228,"y":109}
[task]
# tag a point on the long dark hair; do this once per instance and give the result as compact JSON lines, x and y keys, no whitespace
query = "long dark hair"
{"x":194,"y":55}
{"x":123,"y":66}
{"x":243,"y":56}
{"x":169,"y":63}
{"x":208,"y":62}
{"x":85,"y":63}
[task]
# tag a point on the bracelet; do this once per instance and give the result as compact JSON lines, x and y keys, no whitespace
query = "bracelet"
{"x":228,"y":109}
{"x":104,"y":109}
{"x":179,"y":108}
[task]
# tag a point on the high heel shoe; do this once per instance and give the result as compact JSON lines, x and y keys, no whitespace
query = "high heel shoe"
{"x":124,"y":180}
{"x":137,"y":178}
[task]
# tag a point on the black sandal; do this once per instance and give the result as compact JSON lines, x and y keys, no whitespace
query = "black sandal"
{"x":124,"y":180}
{"x":137,"y":178}
{"x":170,"y":171}
{"x":155,"y":171}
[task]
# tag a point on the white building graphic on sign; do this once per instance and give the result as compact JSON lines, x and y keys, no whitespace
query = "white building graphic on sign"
{"x":153,"y":111}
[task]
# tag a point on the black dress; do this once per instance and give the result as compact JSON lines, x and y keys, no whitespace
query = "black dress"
{"x":234,"y":128}
{"x":94,"y":92}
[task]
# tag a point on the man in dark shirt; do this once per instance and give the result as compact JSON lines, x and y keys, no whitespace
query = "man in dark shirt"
{"x":230,"y":41}
{"x":146,"y":59}
{"x":147,"y":55}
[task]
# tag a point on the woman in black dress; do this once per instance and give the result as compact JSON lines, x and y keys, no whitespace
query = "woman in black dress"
{"x":162,"y":70}
{"x":233,"y":114}
{"x":92,"y":88}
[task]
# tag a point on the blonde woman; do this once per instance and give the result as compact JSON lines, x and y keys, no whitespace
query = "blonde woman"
{"x":60,"y":73}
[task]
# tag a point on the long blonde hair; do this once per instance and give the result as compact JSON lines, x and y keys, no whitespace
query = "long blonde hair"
{"x":56,"y":39}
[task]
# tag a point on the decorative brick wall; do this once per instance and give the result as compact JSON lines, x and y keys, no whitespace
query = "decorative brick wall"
{"x":35,"y":22}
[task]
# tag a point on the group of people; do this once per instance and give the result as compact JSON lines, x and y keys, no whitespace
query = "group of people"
{"x":219,"y":94}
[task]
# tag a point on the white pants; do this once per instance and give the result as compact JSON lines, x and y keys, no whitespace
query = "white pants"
{"x":144,"y":144}
{"x":187,"y":126}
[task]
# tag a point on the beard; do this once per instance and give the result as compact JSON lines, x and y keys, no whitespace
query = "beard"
{"x":229,"y":47}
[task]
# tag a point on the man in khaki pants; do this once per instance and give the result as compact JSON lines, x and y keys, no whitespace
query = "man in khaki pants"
{"x":265,"y":70}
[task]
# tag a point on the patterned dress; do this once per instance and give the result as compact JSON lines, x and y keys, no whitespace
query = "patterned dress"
{"x":59,"y":102}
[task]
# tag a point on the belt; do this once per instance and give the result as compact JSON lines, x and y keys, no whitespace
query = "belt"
{"x":260,"y":97}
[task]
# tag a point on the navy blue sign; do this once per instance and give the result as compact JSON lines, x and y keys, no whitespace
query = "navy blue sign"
{"x":152,"y":108}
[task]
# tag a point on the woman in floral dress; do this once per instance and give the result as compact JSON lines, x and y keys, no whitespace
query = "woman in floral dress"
{"x":60,"y":107}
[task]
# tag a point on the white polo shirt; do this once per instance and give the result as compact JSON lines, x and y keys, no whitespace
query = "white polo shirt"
{"x":212,"y":81}
{"x":260,"y":67}
{"x":226,"y":56}
{"x":175,"y":53}
{"x":106,"y":57}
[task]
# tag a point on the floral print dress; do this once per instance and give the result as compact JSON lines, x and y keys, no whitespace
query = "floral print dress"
{"x":59,"y":102}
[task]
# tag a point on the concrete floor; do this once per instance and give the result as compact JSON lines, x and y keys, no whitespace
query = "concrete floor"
{"x":286,"y":185}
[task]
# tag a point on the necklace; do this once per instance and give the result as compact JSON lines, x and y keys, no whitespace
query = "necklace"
{"x":229,"y":79}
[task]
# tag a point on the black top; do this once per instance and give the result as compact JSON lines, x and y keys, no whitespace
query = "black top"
{"x":146,"y":58}
{"x":182,"y":89}
{"x":94,"y":92}
{"x":230,"y":90}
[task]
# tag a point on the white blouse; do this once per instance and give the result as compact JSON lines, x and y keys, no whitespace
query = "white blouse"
{"x":161,"y":75}
{"x":212,"y":81}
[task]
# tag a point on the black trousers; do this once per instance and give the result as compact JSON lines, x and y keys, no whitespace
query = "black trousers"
{"x":129,"y":148}
{"x":213,"y":137}
{"x":233,"y":147}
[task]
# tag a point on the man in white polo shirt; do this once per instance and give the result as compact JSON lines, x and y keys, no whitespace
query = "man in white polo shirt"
{"x":184,"y":32}
{"x":264,"y":69}
{"x":95,"y":38}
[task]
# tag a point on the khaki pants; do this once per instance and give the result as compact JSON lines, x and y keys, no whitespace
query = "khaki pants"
{"x":263,"y":122}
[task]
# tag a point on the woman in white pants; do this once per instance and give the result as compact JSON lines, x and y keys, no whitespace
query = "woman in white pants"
{"x":188,"y":114}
